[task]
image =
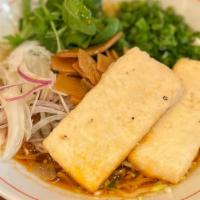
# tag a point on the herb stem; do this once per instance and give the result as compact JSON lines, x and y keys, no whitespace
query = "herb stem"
{"x":47,"y":13}
{"x":56,"y":36}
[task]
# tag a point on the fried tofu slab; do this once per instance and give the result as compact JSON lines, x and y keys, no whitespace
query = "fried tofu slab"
{"x":93,"y":140}
{"x":173,"y":143}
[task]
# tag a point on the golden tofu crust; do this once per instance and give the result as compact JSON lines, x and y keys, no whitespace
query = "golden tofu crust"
{"x":93,"y":140}
{"x":168,"y":150}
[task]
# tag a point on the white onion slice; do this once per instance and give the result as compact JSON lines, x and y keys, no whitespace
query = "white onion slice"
{"x":14,"y":112}
{"x":27,"y":51}
{"x":45,"y":130}
{"x":40,"y":109}
{"x":28,"y":122}
{"x":35,"y":102}
{"x":49,"y":105}
{"x":46,"y":121}
{"x":5,"y":87}
{"x":21,"y":84}
{"x":22,"y":96}
{"x":45,"y":94}
{"x":34,"y":71}
{"x":64,"y":104}
{"x":33,"y":78}
{"x":15,"y":117}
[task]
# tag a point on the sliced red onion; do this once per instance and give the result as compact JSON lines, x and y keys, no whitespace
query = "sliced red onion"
{"x":15,"y":119}
{"x":64,"y":103}
{"x":35,"y":73}
{"x":22,"y":96}
{"x":5,"y":87}
{"x":41,"y":109}
{"x":59,"y":93}
{"x":51,"y":96}
{"x":15,"y":135}
{"x":56,"y":99}
{"x":50,"y":105}
{"x":44,"y":94}
{"x":31,"y":77}
{"x":46,"y":121}
{"x":35,"y":102}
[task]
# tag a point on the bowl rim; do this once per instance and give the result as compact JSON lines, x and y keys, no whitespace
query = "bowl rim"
{"x":10,"y":186}
{"x":9,"y":190}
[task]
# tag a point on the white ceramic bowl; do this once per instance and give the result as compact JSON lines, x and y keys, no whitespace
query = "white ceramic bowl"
{"x":18,"y":184}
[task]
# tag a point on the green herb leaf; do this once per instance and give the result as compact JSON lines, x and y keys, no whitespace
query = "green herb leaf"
{"x":112,"y":27}
{"x":54,"y":5}
{"x":14,"y":40}
{"x":78,"y":17}
{"x":26,"y":7}
{"x":73,"y":39}
{"x":64,"y":24}
{"x":95,"y":6}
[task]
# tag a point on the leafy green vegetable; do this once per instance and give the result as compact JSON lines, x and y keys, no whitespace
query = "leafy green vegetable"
{"x":78,"y":17}
{"x":77,"y":39}
{"x":26,"y":7}
{"x":160,"y":32}
{"x":64,"y":24}
{"x":54,"y":5}
{"x":15,"y":40}
{"x":94,"y":6}
{"x":113,"y":26}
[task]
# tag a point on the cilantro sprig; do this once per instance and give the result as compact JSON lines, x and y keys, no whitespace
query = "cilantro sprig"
{"x":64,"y":24}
